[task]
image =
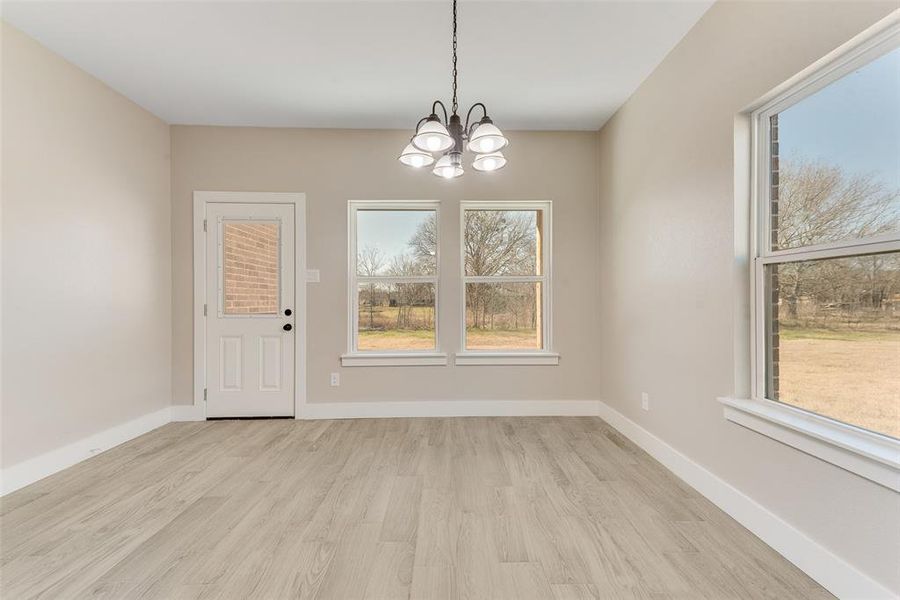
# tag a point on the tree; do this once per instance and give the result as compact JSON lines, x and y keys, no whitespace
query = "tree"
{"x":820,"y":203}
{"x":497,"y":243}
{"x":407,"y":294}
{"x":423,"y":245}
{"x":371,"y":260}
{"x":500,"y":242}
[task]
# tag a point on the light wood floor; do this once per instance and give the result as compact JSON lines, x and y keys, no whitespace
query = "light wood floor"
{"x":396,"y":508}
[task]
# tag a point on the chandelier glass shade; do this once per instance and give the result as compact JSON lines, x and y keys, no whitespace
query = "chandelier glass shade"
{"x":489,"y":162}
{"x":487,"y":138}
{"x":432,"y":136}
{"x":413,"y":157}
{"x":449,"y":137}
{"x":449,"y":166}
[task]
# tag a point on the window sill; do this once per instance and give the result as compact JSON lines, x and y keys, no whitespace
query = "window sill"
{"x":870,"y":455}
{"x":408,"y":359}
{"x":507,"y":358}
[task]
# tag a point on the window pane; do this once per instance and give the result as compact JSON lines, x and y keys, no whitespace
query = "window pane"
{"x":833,"y":329}
{"x":503,"y":242}
{"x":396,"y":242}
{"x":836,"y":160}
{"x":396,"y":316}
{"x":503,"y":316}
{"x":250,"y":268}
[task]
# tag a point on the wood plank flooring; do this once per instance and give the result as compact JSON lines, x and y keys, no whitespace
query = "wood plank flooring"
{"x":545,"y":508}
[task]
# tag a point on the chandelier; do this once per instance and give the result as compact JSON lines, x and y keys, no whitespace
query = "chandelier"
{"x":448,"y":138}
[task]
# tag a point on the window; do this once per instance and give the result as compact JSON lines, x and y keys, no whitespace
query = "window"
{"x":393,"y":284}
{"x":505,"y":262}
{"x":829,"y":261}
{"x":826,"y":274}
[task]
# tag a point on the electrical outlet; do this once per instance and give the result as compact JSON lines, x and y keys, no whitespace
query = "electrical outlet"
{"x":335,"y":379}
{"x":645,"y":400}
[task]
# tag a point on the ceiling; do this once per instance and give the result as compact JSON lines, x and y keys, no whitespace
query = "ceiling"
{"x":364,"y":64}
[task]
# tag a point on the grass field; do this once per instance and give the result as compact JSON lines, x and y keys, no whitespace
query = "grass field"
{"x":423,"y":339}
{"x":378,"y":331}
{"x":397,"y":339}
{"x":851,"y":376}
{"x":501,"y":339}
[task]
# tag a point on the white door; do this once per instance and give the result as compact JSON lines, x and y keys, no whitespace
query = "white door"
{"x":250,"y":303}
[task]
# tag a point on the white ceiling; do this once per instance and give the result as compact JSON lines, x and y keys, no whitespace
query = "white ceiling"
{"x":365,"y":64}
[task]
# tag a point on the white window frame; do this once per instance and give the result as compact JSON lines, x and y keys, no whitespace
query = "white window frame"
{"x":866,"y":453}
{"x":381,"y":358}
{"x":544,"y":356}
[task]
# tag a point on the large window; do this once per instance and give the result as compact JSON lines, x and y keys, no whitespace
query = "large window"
{"x":393,"y":283}
{"x":827,"y":272}
{"x":505,"y":262}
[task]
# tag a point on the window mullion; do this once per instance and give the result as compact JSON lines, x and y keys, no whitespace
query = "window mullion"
{"x":504,"y":278}
{"x":389,"y":279}
{"x":842,"y":251}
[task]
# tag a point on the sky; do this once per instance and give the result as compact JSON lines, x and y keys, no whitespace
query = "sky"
{"x":854,"y":122}
{"x":390,"y":231}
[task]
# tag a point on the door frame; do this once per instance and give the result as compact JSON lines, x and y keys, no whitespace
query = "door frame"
{"x":201,"y":200}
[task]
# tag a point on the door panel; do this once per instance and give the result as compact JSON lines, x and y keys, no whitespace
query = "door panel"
{"x":250,"y":285}
{"x":230,"y":361}
{"x":270,"y":363}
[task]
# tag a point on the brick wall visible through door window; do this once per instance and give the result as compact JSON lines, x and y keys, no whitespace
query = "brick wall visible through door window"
{"x":250,"y":268}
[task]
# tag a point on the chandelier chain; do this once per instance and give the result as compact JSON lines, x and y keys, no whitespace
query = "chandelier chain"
{"x":455,"y":106}
{"x":450,"y":138}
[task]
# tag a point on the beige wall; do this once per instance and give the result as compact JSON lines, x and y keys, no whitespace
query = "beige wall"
{"x":86,"y":254}
{"x":667,"y":252}
{"x":334,"y":166}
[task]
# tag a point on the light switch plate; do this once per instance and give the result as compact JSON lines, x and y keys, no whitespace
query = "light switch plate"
{"x":312,"y":276}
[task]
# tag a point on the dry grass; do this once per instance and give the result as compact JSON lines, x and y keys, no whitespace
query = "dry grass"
{"x":397,"y":339}
{"x":849,"y":376}
{"x":385,"y":317}
{"x":385,"y":335}
{"x":423,"y":339}
{"x":501,"y":339}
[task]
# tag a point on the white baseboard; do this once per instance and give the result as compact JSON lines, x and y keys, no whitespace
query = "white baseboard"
{"x":832,"y":572}
{"x":188,"y":412}
{"x":34,"y":469}
{"x":450,"y":408}
{"x":27,"y":472}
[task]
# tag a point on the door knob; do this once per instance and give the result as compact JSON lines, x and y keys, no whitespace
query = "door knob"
{"x":287,"y":327}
